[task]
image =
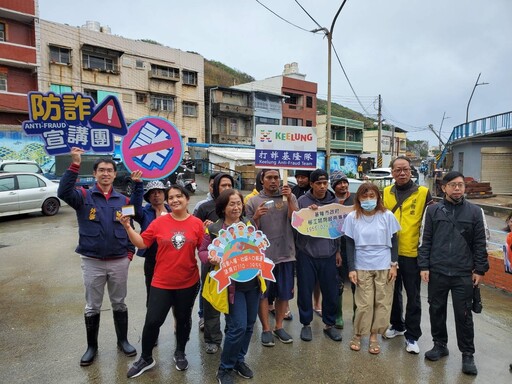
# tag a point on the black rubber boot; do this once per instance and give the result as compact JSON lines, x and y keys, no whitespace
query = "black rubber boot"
{"x":121,"y":325}
{"x":339,"y":314}
{"x":92,"y":326}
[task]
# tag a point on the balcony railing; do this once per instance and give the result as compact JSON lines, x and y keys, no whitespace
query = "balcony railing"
{"x":232,"y":109}
{"x":352,"y":146}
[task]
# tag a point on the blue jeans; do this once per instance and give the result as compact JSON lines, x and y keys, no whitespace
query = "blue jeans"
{"x":239,"y":325}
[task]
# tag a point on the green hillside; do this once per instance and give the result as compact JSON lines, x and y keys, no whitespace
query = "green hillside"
{"x":219,"y":74}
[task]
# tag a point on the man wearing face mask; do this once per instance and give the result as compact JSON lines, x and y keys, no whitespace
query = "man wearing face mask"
{"x":453,"y":257}
{"x":407,"y":201}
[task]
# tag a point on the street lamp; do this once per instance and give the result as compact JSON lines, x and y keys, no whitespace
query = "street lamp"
{"x":470,"y":97}
{"x":328,"y":33}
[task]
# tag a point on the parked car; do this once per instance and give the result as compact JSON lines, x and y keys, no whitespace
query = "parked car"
{"x":20,"y":166}
{"x":386,"y":174}
{"x":24,"y":192}
{"x":123,"y":182}
{"x":380,"y":173}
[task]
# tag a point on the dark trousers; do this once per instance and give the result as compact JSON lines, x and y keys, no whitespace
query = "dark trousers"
{"x":309,"y":271}
{"x":239,"y":327}
{"x":212,"y":332}
{"x":408,"y":276}
{"x":160,"y":302}
{"x":149,"y":270}
{"x":461,"y":288}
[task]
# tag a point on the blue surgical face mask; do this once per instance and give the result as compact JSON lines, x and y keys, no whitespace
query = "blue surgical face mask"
{"x":369,"y":205}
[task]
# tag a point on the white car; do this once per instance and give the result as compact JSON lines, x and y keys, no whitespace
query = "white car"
{"x":24,"y":192}
{"x":380,"y":173}
{"x":387,"y":175}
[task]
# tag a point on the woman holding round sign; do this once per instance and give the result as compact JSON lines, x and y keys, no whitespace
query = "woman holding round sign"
{"x":175,"y":280}
{"x":372,"y":254}
{"x":244,"y":293}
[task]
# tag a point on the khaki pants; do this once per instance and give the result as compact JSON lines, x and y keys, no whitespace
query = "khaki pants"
{"x":373,"y":298}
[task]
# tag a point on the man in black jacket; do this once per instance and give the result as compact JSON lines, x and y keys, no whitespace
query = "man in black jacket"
{"x":453,"y":257}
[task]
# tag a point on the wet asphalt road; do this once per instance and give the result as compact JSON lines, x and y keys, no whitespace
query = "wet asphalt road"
{"x":42,"y":335}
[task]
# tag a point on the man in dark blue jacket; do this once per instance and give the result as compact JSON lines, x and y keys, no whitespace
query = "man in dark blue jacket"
{"x":104,"y":248}
{"x":317,"y":259}
{"x":452,"y":256}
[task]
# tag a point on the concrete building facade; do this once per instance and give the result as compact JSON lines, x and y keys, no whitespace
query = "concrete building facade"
{"x":229,"y":116}
{"x":148,"y":79}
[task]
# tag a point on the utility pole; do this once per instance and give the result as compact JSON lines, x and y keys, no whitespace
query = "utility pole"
{"x":470,"y":97}
{"x":393,"y":141}
{"x":440,"y":128}
{"x":431,"y":127}
{"x":379,"y":134}
{"x":328,"y":33}
{"x":328,"y":118}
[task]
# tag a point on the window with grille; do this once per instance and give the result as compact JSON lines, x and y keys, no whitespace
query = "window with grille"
{"x":292,"y":121}
{"x":189,"y":109}
{"x":141,"y":97}
{"x":60,"y":55}
{"x":162,"y":103}
{"x":91,"y":93}
{"x":161,"y":71}
{"x":2,"y":32}
{"x":3,"y":82}
{"x":189,"y":78}
{"x":97,"y":62}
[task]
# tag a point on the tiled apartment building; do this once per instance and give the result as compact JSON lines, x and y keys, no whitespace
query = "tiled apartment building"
{"x":148,"y":79}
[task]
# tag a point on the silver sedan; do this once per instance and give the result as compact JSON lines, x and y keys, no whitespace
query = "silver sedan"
{"x":24,"y":192}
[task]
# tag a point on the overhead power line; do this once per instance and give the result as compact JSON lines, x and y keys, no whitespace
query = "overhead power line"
{"x":282,"y":18}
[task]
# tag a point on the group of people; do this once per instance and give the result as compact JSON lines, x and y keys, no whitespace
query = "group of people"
{"x":391,"y":242}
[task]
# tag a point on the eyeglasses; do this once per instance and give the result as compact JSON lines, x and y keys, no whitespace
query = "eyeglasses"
{"x":456,"y":185}
{"x":105,"y":170}
{"x":400,"y":170}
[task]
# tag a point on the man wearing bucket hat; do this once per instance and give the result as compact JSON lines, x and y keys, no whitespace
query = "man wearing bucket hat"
{"x":154,"y":194}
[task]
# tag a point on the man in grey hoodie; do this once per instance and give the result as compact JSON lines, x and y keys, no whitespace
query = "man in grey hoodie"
{"x":271,"y":211}
{"x":317,"y":259}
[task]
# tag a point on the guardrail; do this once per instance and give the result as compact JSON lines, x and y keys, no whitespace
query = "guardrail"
{"x":487,"y":125}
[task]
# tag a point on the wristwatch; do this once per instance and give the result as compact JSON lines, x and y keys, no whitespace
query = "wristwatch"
{"x":394,"y":263}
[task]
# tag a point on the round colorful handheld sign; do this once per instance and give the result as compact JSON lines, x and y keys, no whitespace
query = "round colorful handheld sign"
{"x":152,"y":145}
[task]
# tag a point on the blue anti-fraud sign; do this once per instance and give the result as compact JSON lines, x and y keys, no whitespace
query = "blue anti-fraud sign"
{"x":74,"y":120}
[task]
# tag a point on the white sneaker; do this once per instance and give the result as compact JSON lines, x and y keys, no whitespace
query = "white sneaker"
{"x":392,"y":333}
{"x":412,"y":346}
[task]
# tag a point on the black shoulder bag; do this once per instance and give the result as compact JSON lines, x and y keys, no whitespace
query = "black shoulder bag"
{"x":477,"y":297}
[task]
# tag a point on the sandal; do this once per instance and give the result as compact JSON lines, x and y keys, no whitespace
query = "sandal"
{"x":318,"y":312}
{"x":374,"y":348}
{"x":355,"y":343}
{"x":288,"y":316}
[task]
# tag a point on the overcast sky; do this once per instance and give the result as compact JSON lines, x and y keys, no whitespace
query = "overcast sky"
{"x":422,"y":56}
